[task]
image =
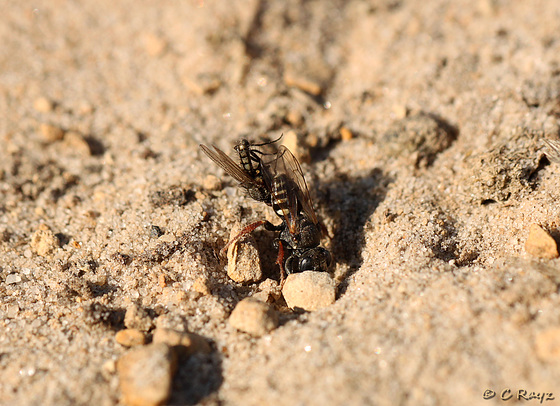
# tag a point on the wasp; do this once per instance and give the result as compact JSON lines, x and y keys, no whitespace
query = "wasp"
{"x":277,"y":180}
{"x":300,"y":230}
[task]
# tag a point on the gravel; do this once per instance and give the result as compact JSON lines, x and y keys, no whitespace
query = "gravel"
{"x":309,"y":290}
{"x":421,"y":129}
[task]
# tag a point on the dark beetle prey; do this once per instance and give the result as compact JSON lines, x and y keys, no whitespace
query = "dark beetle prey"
{"x":277,"y":180}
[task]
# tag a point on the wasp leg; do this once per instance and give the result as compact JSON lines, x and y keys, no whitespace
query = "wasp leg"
{"x":280,"y":263}
{"x":250,"y":228}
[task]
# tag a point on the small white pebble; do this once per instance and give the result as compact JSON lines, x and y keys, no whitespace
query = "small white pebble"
{"x":309,"y":290}
{"x":254,"y":317}
{"x":244,"y":264}
{"x":13,"y":278}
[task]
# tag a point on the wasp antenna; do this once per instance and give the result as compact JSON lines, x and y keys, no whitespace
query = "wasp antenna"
{"x":268,"y":142}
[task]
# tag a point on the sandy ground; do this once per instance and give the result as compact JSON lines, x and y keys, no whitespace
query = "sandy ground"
{"x":422,"y":126}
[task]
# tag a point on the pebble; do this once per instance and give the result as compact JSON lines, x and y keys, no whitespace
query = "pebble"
{"x":12,"y":311}
{"x":162,"y":282}
{"x":43,"y":105}
{"x":547,"y":344}
{"x":308,"y":85}
{"x":295,"y":118}
{"x":155,"y":45}
{"x":212,"y":182}
{"x":130,"y":337}
{"x":309,"y":290}
{"x":146,"y":375}
{"x":312,"y":140}
{"x":540,"y":244}
{"x":51,"y":133}
{"x":202,"y":286}
{"x":77,"y":143}
{"x":137,"y":318}
{"x":346,"y":134}
{"x":400,"y":111}
{"x":269,"y":291}
{"x":108,"y":369}
{"x":203,"y":84}
{"x":244,"y":263}
{"x":254,"y":317}
{"x":43,"y":241}
{"x":85,"y":107}
{"x":13,"y":278}
{"x":185,"y":343}
{"x":296,"y":147}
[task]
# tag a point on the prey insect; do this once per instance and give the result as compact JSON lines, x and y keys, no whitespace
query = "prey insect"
{"x":249,"y":171}
{"x":277,"y":180}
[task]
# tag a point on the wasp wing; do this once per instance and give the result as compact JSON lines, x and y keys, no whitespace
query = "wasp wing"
{"x":227,"y":164}
{"x":297,"y":191}
{"x":296,"y":174}
{"x":552,"y":150}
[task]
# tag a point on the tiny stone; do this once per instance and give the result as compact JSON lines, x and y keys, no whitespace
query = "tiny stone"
{"x":155,"y":45}
{"x":307,"y":85}
{"x":43,"y":105}
{"x":12,"y":311}
{"x":200,"y":285}
{"x":309,"y":290}
{"x":269,"y":291}
{"x":296,"y":147}
{"x":76,"y":142}
{"x":254,"y":317}
{"x":312,"y":140}
{"x":146,"y":375}
{"x":400,"y":111}
{"x":294,"y":117}
{"x":291,"y":141}
{"x":212,"y":182}
{"x":203,"y":84}
{"x":13,"y":278}
{"x":244,"y":264}
{"x":40,"y":211}
{"x":137,"y":318}
{"x":51,"y":133}
{"x":346,"y":134}
{"x":540,"y":244}
{"x":547,"y":344}
{"x":185,"y":343}
{"x":43,"y":241}
{"x":263,"y":296}
{"x":130,"y":337}
{"x":85,"y":108}
{"x":108,"y":369}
